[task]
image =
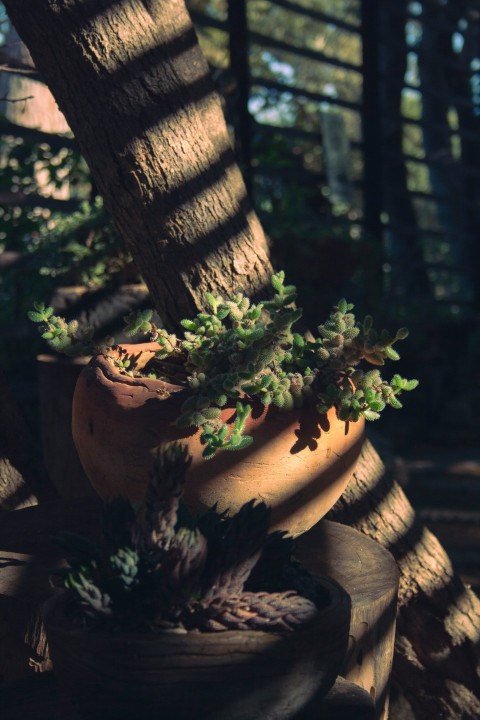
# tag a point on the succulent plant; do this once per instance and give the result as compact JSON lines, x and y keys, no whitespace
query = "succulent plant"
{"x":241,"y":352}
{"x":159,"y":569}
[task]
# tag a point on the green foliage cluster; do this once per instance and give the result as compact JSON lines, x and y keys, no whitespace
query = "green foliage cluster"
{"x":240,"y":352}
{"x":158,"y":569}
{"x":22,"y":163}
{"x":61,"y":336}
{"x":82,"y":248}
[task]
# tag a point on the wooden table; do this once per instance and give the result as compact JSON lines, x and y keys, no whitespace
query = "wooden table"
{"x":365,"y":570}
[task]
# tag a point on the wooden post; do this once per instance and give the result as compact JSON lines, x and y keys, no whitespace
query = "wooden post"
{"x":372,"y":136}
{"x":370,"y":576}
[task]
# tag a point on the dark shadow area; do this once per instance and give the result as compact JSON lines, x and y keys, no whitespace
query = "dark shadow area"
{"x":276,"y":669}
{"x":209,"y":242}
{"x":423,"y":622}
{"x":189,"y":189}
{"x":165,"y":52}
{"x":104,"y":309}
{"x":160,"y":107}
{"x":361,"y":507}
{"x":309,"y":431}
{"x":89,"y":10}
{"x":163,"y":96}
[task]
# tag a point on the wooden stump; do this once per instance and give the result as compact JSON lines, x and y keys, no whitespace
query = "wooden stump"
{"x":370,"y":576}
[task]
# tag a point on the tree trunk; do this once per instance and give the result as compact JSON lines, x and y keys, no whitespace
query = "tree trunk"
{"x":135,"y":89}
{"x":438,"y":617}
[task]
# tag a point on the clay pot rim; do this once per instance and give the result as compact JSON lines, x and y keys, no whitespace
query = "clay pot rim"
{"x":166,"y":389}
{"x":102,"y":363}
{"x":53,"y":617}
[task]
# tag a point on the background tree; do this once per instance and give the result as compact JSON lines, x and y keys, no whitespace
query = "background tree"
{"x":136,"y":91}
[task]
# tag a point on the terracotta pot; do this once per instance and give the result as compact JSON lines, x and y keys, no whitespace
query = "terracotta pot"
{"x":57,"y":377}
{"x":231,"y":675}
{"x":299,"y":463}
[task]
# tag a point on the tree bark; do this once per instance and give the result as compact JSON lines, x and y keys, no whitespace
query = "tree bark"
{"x":135,"y":89}
{"x":438,"y":617}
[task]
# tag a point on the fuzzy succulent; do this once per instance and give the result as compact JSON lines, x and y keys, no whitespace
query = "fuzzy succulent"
{"x":241,"y":352}
{"x":61,"y":336}
{"x":158,"y":569}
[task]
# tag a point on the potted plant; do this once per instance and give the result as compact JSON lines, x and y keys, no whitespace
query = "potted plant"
{"x":207,"y":619}
{"x":242,"y":379}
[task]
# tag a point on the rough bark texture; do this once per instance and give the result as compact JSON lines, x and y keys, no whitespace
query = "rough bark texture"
{"x":135,"y":89}
{"x":438,"y":618}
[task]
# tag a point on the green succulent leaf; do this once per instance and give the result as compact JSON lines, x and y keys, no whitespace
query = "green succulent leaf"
{"x":391,"y":353}
{"x":190,"y":325}
{"x":243,"y":442}
{"x":370,"y":415}
{"x":223,"y":312}
{"x":211,"y":413}
{"x":185,"y":420}
{"x":240,"y":349}
{"x":277,"y":281}
{"x":35,"y":316}
{"x":395,"y":402}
